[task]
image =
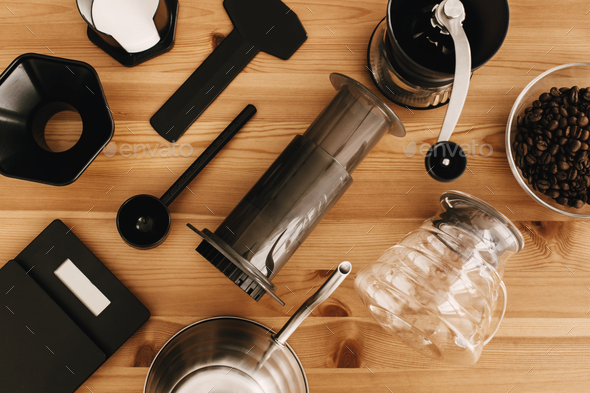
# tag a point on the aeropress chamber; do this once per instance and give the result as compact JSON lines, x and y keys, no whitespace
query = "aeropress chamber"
{"x":262,"y":232}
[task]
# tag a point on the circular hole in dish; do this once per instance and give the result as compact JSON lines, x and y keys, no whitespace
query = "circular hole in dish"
{"x":63,"y":131}
{"x":57,"y":127}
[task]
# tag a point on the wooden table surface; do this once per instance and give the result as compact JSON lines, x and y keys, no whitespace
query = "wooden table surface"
{"x":543,"y":344}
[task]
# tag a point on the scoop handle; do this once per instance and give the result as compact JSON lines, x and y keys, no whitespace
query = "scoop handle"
{"x":315,"y":300}
{"x":207,"y":155}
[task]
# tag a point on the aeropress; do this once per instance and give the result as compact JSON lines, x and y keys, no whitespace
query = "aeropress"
{"x":262,"y":232}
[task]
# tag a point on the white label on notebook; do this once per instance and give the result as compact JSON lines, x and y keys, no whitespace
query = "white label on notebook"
{"x":82,"y":287}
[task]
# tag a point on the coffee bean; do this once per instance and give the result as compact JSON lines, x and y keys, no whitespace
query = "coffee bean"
{"x":552,"y":169}
{"x":555,"y":92}
{"x":545,"y":158}
{"x":533,"y":118}
{"x":529,"y":141}
{"x":545,"y":97}
{"x":564,"y":186}
{"x":572,"y":174}
{"x":571,"y":110}
{"x":553,"y":124}
{"x":574,"y":145}
{"x":537,"y":152}
{"x":571,"y":121}
{"x":522,"y":149}
{"x":573,"y":95}
{"x":543,"y":184}
{"x":576,"y":132}
{"x":553,"y":149}
{"x":552,"y":193}
{"x":531,"y":159}
{"x":585,"y":135}
{"x":542,"y":145}
{"x":563,"y":122}
{"x":577,"y":203}
{"x":560,"y":175}
{"x":563,"y":111}
{"x":584,"y":146}
{"x":562,"y":141}
{"x":563,"y":166}
{"x":547,"y":134}
{"x":562,"y":200}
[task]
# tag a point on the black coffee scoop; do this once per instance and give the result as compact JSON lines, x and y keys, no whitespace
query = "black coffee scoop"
{"x":143,"y":221}
{"x":259,"y":25}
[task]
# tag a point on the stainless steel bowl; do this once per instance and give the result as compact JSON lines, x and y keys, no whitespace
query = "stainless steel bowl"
{"x":221,"y":355}
{"x":566,"y":75}
{"x":236,"y":355}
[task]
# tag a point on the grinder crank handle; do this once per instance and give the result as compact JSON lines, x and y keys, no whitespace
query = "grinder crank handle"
{"x":203,"y":86}
{"x":445,"y":160}
{"x":451,"y":15}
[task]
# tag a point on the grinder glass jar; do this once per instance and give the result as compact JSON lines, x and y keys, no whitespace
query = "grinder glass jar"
{"x":412,"y":59}
{"x":440,"y":288}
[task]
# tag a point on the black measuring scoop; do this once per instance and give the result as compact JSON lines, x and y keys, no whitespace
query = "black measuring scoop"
{"x":143,"y":221}
{"x":259,"y":25}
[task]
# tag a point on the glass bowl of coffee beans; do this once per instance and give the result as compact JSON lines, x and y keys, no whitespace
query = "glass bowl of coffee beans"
{"x":548,"y":139}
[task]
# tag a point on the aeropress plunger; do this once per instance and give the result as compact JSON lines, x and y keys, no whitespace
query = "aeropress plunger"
{"x":262,"y":232}
{"x":143,"y":221}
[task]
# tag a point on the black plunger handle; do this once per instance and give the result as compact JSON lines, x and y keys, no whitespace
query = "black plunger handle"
{"x":210,"y":152}
{"x":203,"y":86}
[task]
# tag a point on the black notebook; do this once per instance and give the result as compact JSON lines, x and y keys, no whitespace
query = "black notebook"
{"x":63,"y":313}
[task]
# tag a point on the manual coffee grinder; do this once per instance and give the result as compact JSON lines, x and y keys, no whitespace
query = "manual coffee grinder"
{"x":424,"y":49}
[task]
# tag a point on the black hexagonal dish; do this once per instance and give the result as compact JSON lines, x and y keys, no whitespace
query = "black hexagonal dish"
{"x":34,"y":88}
{"x":165,"y":20}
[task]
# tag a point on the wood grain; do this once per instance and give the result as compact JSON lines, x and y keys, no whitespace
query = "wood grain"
{"x":535,"y":350}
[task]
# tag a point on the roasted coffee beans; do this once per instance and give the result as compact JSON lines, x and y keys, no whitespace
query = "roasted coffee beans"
{"x":551,"y":145}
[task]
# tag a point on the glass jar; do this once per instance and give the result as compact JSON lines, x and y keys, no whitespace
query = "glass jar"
{"x":440,"y":288}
